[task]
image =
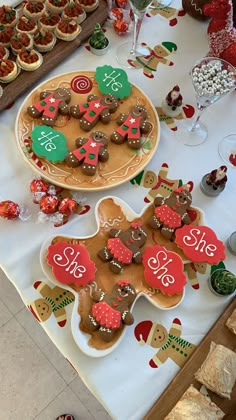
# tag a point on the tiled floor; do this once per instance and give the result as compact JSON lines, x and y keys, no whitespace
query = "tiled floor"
{"x":30,"y":364}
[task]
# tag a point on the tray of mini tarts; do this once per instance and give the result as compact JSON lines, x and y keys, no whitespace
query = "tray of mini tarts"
{"x":112,"y":212}
{"x":62,"y":48}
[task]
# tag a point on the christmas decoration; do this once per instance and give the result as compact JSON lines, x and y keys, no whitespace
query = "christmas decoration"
{"x":98,"y":42}
{"x":221,"y":32}
{"x":172,"y":104}
{"x":213,"y":184}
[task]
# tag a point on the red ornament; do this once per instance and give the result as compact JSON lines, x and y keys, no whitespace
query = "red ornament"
{"x":120,"y":26}
{"x":38,"y":189}
{"x":49,"y":204}
{"x":67,"y":206}
{"x":9,"y":210}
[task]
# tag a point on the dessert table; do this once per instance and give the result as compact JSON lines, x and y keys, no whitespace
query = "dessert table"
{"x":123,"y":381}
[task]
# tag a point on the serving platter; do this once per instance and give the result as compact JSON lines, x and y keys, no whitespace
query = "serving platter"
{"x":112,"y":212}
{"x":11,"y":91}
{"x":123,"y":163}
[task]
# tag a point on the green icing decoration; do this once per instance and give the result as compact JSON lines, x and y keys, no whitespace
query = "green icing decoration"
{"x":49,"y":143}
{"x":113,"y":81}
{"x":98,"y":39}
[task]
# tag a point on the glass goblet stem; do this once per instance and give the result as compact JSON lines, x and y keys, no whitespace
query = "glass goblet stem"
{"x":200,"y":109}
{"x":138,"y":18}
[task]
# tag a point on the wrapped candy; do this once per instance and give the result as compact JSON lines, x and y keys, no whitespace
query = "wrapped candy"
{"x":49,"y":204}
{"x":67,"y":206}
{"x":9,"y":210}
{"x":120,"y":26}
{"x":121,"y":3}
{"x":38,"y":188}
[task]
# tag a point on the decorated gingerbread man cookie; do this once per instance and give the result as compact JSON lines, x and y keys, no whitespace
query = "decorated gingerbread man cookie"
{"x":53,"y":301}
{"x":50,"y":104}
{"x":111,"y":310}
{"x":171,"y":212}
{"x":95,"y":109}
{"x":123,"y":247}
{"x":132,"y":126}
{"x":89,"y":152}
{"x":170,"y":343}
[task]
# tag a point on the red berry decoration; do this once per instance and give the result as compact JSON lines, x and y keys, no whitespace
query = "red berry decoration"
{"x":49,"y":204}
{"x":67,"y":206}
{"x":9,"y":210}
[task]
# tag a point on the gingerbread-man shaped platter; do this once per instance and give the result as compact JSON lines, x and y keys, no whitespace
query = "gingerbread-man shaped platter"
{"x":102,"y":268}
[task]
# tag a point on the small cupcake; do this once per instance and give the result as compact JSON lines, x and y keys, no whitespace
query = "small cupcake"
{"x":34,"y":9}
{"x":44,"y":40}
{"x":8,"y":16}
{"x":88,"y":5}
{"x":56,"y":6}
{"x":21,"y":40}
{"x":29,"y":60}
{"x":4,"y":53}
{"x":27,"y":25}
{"x":8,"y":71}
{"x":74,"y":11}
{"x":67,"y":29}
{"x":6,"y":32}
{"x":49,"y":21}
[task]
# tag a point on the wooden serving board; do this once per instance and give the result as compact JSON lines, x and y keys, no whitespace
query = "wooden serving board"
{"x":62,"y":49}
{"x":220,"y":334}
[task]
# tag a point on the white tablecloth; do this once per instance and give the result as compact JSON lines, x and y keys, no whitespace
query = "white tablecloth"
{"x":123,"y":381}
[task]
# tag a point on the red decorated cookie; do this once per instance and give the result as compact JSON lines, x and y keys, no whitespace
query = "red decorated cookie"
{"x":81,"y":84}
{"x":71,"y":263}
{"x":164,"y":270}
{"x":200,"y":244}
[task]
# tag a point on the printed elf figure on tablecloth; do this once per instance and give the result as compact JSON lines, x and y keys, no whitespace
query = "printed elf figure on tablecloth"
{"x":169,"y":13}
{"x":53,"y":301}
{"x":156,"y":56}
{"x":171,"y":344}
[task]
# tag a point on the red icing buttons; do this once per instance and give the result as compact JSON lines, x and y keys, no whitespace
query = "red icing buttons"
{"x":71,"y":263}
{"x":81,"y":84}
{"x":163,"y":270}
{"x":200,"y":244}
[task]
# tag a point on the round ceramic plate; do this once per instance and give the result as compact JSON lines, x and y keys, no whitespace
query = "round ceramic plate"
{"x":123,"y":163}
{"x":112,"y":212}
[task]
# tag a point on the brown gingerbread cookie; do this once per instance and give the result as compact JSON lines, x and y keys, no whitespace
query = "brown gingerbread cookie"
{"x":111,"y":310}
{"x":123,"y":247}
{"x":50,"y":104}
{"x":195,"y":8}
{"x":171,"y":212}
{"x":88,"y":152}
{"x":95,"y":109}
{"x":132,"y":126}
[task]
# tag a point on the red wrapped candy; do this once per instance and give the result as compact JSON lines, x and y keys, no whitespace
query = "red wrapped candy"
{"x":120,"y":26}
{"x":38,"y":189}
{"x":49,"y":204}
{"x":9,"y":210}
{"x":67,"y":206}
{"x":122,"y":3}
{"x":117,"y":13}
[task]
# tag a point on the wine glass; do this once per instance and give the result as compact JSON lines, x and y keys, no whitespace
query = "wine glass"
{"x":128,"y":51}
{"x":227,"y":150}
{"x":212,"y":78}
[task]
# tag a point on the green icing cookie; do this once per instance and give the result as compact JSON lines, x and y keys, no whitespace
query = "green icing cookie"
{"x":114,"y":81}
{"x":49,"y":143}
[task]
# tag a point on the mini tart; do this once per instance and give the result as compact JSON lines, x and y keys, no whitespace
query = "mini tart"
{"x":88,"y":5}
{"x":5,"y":35}
{"x":67,"y":29}
{"x":4,"y":53}
{"x":44,"y":40}
{"x":8,"y":71}
{"x":21,"y":40}
{"x":49,"y":21}
{"x":27,"y":25}
{"x":29,"y":60}
{"x":56,"y":6}
{"x":34,"y":9}
{"x":8,"y":16}
{"x":74,"y":11}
